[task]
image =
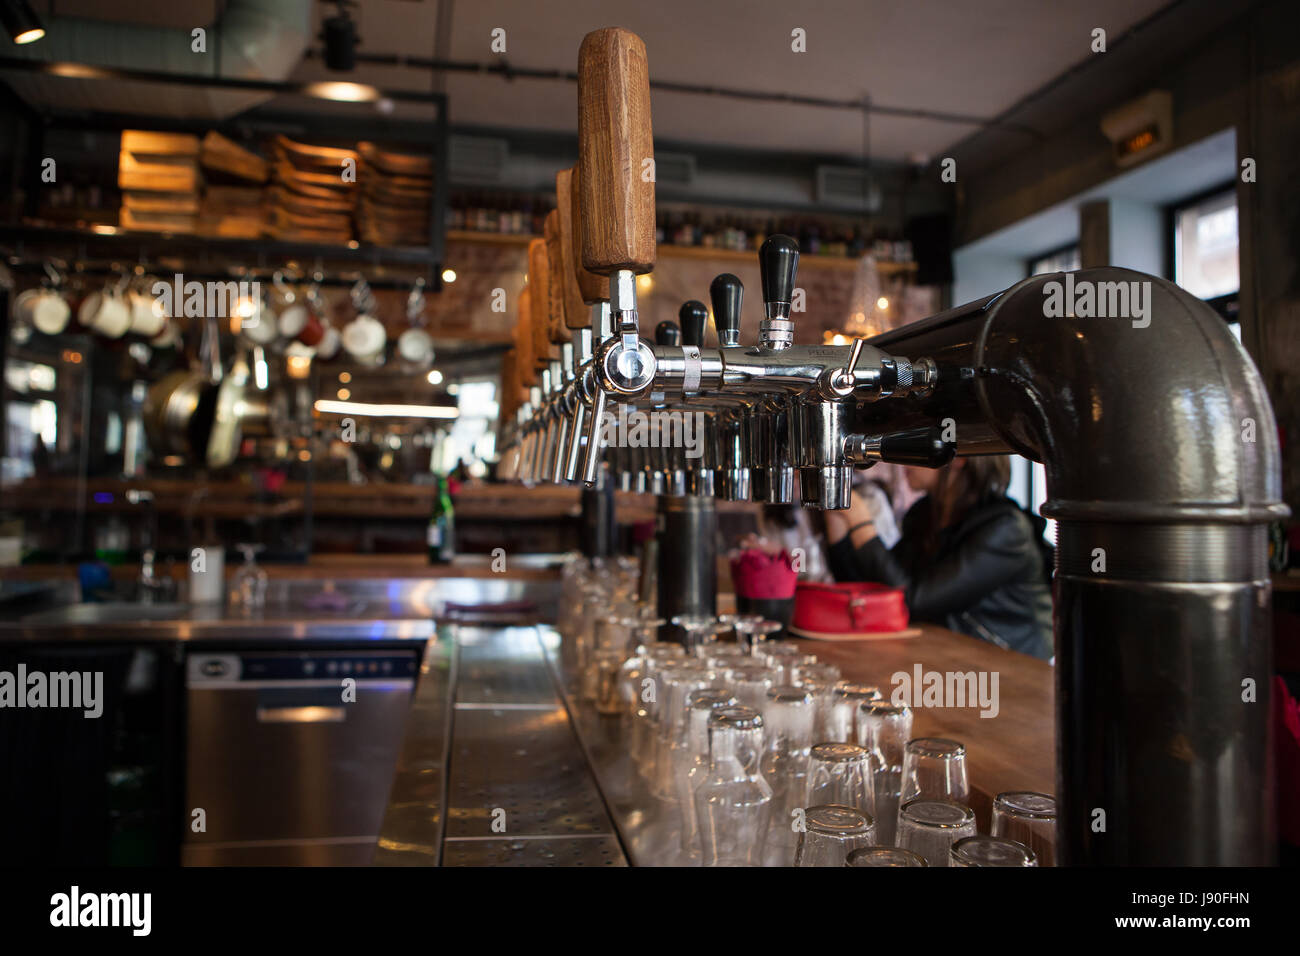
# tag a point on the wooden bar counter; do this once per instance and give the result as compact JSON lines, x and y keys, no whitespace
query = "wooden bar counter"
{"x":1014,"y":750}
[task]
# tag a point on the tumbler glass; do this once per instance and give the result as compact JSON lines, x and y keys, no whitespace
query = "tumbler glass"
{"x":701,"y":632}
{"x":678,"y":684}
{"x":840,"y":773}
{"x":695,"y":764}
{"x":608,"y":692}
{"x":733,"y":803}
{"x":934,"y":768}
{"x":790,"y":665}
{"x":1029,"y":818}
{"x":750,"y":682}
{"x":884,"y":730}
{"x":250,"y":580}
{"x":990,"y":851}
{"x":752,"y":632}
{"x":814,"y":671}
{"x":789,"y":719}
{"x":820,"y":688}
{"x":884,"y":856}
{"x":830,"y":833}
{"x":930,"y":828}
{"x":842,"y":717}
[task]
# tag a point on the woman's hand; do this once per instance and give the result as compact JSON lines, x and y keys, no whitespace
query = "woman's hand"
{"x":858,"y":521}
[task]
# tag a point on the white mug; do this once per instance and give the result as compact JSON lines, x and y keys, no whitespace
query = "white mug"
{"x":44,"y":310}
{"x":112,"y":317}
{"x":364,"y":338}
{"x":415,"y":346}
{"x":148,"y":317}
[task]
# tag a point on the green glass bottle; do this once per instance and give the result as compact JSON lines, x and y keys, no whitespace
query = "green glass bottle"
{"x":442,"y":525}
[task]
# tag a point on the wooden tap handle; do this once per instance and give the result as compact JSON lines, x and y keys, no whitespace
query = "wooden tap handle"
{"x":594,"y":288}
{"x":509,"y":403}
{"x":526,"y":366}
{"x":578,"y":282}
{"x":615,"y":150}
{"x":557,"y":326}
{"x":539,"y":292}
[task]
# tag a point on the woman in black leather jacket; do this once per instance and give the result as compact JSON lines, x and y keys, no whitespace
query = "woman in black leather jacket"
{"x":969,"y":558}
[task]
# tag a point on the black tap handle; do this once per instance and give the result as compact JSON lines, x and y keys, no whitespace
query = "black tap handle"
{"x":726,"y":292}
{"x":667,"y":333}
{"x":694,"y":316}
{"x":923,"y":447}
{"x":778,"y":260}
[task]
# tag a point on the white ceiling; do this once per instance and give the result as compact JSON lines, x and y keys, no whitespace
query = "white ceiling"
{"x":975,"y":57}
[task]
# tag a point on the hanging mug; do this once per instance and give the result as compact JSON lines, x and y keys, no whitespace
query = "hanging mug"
{"x":44,"y":310}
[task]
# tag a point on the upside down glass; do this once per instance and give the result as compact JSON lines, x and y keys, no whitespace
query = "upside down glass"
{"x":990,"y":851}
{"x":842,"y":717}
{"x":733,"y":803}
{"x":789,"y":719}
{"x":930,"y":828}
{"x":884,"y":856}
{"x":840,"y":773}
{"x":934,"y":768}
{"x":702,"y":704}
{"x":830,"y":834}
{"x":1027,"y":817}
{"x":884,"y":730}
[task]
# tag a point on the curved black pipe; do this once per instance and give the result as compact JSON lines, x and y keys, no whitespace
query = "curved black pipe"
{"x":1163,"y":472}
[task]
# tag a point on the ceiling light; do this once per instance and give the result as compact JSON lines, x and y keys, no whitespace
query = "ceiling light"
{"x":342,"y":92}
{"x":21,"y":22}
{"x":448,"y":275}
{"x":882,"y":303}
{"x":340,"y":36}
{"x":434,"y":377}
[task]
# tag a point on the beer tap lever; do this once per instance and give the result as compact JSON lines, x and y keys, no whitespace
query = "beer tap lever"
{"x":920,"y":447}
{"x":778,"y":260}
{"x":693,"y":315}
{"x":727,"y":293}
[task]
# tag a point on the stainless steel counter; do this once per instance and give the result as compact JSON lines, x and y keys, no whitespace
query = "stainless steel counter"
{"x":491,"y":771}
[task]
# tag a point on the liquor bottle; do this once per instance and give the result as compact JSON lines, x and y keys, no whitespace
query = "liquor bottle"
{"x":442,"y":525}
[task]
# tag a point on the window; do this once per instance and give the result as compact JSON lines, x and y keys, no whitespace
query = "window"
{"x":1062,"y":260}
{"x":1205,"y":246}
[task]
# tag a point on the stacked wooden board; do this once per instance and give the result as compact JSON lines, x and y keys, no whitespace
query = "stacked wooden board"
{"x":396,"y":197}
{"x":158,"y":174}
{"x":313,"y":193}
{"x":234,"y":198}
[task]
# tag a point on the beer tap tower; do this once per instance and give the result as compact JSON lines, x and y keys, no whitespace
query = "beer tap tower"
{"x":1140,"y":426}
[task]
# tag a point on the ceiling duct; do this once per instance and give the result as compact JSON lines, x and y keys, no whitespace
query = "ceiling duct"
{"x":847,"y":187}
{"x":251,"y":40}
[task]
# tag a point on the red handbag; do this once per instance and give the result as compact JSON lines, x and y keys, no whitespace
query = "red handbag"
{"x":857,"y":607}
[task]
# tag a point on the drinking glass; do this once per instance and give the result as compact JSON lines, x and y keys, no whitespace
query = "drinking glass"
{"x":790,"y":664}
{"x":840,"y":773}
{"x":645,"y":731}
{"x":701,"y":632}
{"x":814,"y":671}
{"x":830,"y":833}
{"x":608,"y":692}
{"x":750,"y":682}
{"x":752,"y":632}
{"x":820,"y":688}
{"x":990,"y":851}
{"x":842,"y":717}
{"x":930,"y":828}
{"x":884,"y":730}
{"x":884,"y":856}
{"x":678,"y":684}
{"x":1029,"y":818}
{"x":789,"y":719}
{"x":934,"y":768}
{"x":725,"y":655}
{"x":695,"y":764}
{"x":733,"y":803}
{"x":250,"y":580}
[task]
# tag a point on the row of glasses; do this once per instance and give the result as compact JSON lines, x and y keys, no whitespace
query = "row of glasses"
{"x":789,"y":719}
